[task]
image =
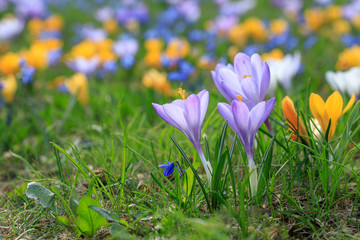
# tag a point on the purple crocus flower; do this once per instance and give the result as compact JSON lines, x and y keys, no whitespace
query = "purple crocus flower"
{"x":249,"y":78}
{"x":245,"y":123}
{"x":187,"y":115}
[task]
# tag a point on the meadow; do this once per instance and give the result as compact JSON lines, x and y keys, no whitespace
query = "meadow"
{"x":166,"y":119}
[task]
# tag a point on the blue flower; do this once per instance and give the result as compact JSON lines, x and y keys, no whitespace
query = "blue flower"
{"x":27,"y":72}
{"x":169,"y":168}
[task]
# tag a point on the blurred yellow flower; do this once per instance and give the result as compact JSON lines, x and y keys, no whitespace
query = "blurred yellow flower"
{"x":332,"y":110}
{"x":9,"y":86}
{"x":314,"y":18}
{"x":256,"y":29}
{"x":238,"y":35}
{"x":78,"y":85}
{"x":158,"y":81}
{"x":278,"y":26}
{"x":53,"y":23}
{"x":86,"y":49}
{"x":154,"y":44}
{"x":35,"y":26}
{"x":349,"y":58}
{"x":177,"y":48}
{"x":153,"y":54}
{"x":341,"y":27}
{"x":9,"y":63}
{"x":333,"y":13}
{"x":274,"y":54}
{"x":36,"y":56}
{"x":356,"y":21}
{"x":111,"y":26}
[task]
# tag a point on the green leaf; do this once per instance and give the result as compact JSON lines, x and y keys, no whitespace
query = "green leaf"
{"x":89,"y":221}
{"x":63,"y":220}
{"x":108,"y":215}
{"x":190,"y":178}
{"x":118,"y":232}
{"x":37,"y":192}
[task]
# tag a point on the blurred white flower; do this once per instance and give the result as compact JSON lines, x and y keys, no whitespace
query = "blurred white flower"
{"x":283,"y":70}
{"x":346,"y":82}
{"x":10,"y":27}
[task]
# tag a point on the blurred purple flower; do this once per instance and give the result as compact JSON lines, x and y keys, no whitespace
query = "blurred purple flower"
{"x":30,"y":8}
{"x":126,"y":47}
{"x":83,"y":65}
{"x":93,"y":34}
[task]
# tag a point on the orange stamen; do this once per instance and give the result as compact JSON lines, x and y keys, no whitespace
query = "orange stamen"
{"x":182,"y":93}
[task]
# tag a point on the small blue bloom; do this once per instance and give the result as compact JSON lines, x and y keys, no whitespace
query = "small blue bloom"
{"x":27,"y":72}
{"x":63,"y":88}
{"x":169,"y":168}
{"x":54,"y":57}
{"x":310,"y":42}
{"x":110,"y":67}
{"x":128,"y":61}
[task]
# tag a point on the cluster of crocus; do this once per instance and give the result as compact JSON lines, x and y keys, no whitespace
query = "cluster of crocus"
{"x":245,"y":86}
{"x":326,"y":113}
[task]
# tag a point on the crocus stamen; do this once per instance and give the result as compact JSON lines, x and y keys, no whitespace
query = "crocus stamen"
{"x":239,"y":97}
{"x":245,"y":76}
{"x":182,"y":93}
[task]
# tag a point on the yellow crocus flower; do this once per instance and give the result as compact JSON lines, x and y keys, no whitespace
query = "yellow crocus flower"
{"x":332,"y":110}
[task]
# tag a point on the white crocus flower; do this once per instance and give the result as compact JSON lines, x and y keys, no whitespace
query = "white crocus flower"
{"x":346,"y":82}
{"x":283,"y":70}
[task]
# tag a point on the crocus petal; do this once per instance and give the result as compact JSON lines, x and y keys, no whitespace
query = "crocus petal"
{"x":176,"y":115}
{"x":159,"y":109}
{"x":317,"y":107}
{"x":192,"y":117}
{"x":204,"y":102}
{"x":250,"y":90}
{"x":226,"y":113}
{"x":265,"y":81}
{"x":242,"y":64}
{"x":350,"y":104}
{"x":333,"y":106}
{"x":292,"y":117}
{"x":229,"y":77}
{"x":256,"y":68}
{"x":242,"y":121}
